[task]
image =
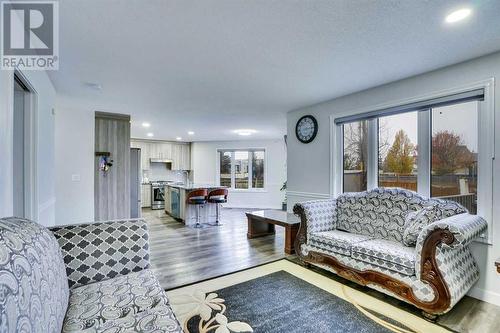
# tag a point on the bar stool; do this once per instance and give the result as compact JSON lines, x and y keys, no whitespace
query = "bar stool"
{"x":217,"y":197}
{"x":198,"y":198}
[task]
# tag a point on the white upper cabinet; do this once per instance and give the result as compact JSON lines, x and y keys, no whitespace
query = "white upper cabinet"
{"x":179,"y":153}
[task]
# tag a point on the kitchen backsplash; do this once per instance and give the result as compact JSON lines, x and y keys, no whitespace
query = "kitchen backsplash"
{"x":158,"y":171}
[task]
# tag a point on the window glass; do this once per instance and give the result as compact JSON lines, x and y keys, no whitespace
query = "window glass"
{"x":397,"y":150}
{"x":258,"y":169}
{"x":241,"y":169}
{"x":225,"y":168}
{"x":454,"y":155}
{"x":355,"y":156}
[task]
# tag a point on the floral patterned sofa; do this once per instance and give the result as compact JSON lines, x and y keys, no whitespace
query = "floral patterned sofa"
{"x":80,"y":278}
{"x":395,"y":241}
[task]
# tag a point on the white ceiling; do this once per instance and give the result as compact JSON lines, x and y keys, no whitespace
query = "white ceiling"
{"x":212,"y":66}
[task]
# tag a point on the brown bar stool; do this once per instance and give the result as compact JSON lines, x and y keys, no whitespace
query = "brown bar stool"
{"x":198,"y":198}
{"x":217,"y":197}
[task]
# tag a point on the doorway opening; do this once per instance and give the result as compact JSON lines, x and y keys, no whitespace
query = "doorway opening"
{"x":24,"y":193}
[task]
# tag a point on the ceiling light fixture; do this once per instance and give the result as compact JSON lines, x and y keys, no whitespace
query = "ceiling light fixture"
{"x":190,"y":133}
{"x":150,"y":135}
{"x":458,"y":15}
{"x":245,"y":131}
{"x":146,"y":124}
{"x":178,"y":138}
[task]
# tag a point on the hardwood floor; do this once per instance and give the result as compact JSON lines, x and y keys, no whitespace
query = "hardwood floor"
{"x":182,"y":255}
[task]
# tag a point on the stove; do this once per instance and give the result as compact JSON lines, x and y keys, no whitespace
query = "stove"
{"x":158,"y":194}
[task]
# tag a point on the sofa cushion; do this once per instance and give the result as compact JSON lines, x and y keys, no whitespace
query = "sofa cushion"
{"x":33,"y":284}
{"x":336,"y":240}
{"x":99,"y":251}
{"x":388,"y":254}
{"x":434,"y":210}
{"x":132,"y":303}
{"x":379,"y":213}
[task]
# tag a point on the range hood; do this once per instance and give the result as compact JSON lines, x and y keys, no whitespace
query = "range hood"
{"x":160,"y":160}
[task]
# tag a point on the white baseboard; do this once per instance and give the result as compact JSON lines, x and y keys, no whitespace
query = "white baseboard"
{"x":311,"y":195}
{"x":485,"y":295}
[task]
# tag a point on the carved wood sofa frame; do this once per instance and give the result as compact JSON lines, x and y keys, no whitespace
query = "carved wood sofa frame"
{"x":430,"y":272}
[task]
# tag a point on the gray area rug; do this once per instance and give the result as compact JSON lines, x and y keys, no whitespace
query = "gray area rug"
{"x":280,"y":302}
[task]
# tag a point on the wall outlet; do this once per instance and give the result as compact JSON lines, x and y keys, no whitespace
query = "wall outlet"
{"x":75,"y":178}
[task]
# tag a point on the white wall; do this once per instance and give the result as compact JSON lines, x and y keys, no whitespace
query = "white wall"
{"x":74,"y":145}
{"x":204,"y":164}
{"x":309,"y":165}
{"x":45,"y":92}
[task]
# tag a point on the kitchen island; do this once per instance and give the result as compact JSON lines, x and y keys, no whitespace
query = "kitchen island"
{"x":175,"y":204}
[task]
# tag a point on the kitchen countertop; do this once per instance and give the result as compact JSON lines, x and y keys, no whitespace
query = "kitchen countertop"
{"x":195,"y":186}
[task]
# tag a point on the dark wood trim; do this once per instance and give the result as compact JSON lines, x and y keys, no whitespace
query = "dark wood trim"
{"x":429,"y":273}
{"x":497,"y":263}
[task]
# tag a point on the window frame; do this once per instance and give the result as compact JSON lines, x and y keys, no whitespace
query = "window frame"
{"x":250,"y":169}
{"x":486,"y":148}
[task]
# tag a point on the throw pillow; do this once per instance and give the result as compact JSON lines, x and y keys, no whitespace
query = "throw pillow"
{"x":416,"y":221}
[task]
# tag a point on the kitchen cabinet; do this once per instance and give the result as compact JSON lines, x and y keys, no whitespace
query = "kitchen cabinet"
{"x":176,"y":157}
{"x":145,"y":152}
{"x":179,"y":153}
{"x":186,"y":157}
{"x":145,"y":195}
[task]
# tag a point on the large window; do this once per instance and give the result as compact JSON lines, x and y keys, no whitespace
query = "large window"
{"x":397,"y":151}
{"x":454,"y":153}
{"x":355,"y":156}
{"x":241,"y":169}
{"x":258,"y":169}
{"x":442,"y":148}
{"x":225,"y":168}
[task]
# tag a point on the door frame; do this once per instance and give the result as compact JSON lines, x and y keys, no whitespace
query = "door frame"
{"x":30,"y":146}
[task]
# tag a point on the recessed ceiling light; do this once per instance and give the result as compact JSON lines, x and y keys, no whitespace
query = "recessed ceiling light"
{"x":178,"y":138}
{"x":150,"y":135}
{"x":191,"y":133}
{"x":245,"y":131}
{"x":146,"y":124}
{"x":458,"y":15}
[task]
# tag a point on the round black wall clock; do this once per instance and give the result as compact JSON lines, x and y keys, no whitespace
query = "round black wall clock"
{"x":306,"y":129}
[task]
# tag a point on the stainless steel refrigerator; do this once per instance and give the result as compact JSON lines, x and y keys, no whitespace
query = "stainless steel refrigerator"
{"x":135,"y":183}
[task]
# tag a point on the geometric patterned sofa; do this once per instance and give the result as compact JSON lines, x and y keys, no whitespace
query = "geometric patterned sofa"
{"x":395,"y":241}
{"x":80,"y":278}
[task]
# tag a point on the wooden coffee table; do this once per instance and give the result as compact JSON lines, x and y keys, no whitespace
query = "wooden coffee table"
{"x":263,"y":222}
